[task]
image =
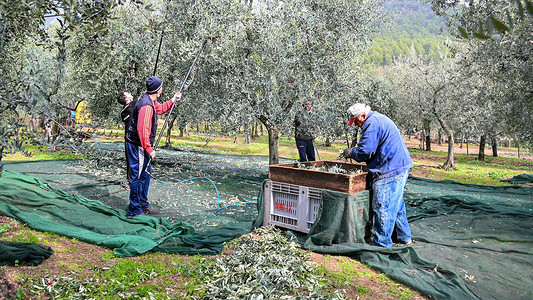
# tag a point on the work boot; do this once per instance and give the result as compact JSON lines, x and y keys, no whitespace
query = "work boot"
{"x":402,"y":244}
{"x":150,"y":211}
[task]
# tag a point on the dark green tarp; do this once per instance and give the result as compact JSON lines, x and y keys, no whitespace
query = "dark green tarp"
{"x":520,"y":179}
{"x":471,"y":241}
{"x":341,"y":229}
{"x":45,"y":208}
{"x":15,"y":253}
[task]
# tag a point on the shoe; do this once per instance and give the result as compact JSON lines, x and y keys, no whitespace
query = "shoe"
{"x":403,"y":244}
{"x":130,"y":216}
{"x":150,"y":211}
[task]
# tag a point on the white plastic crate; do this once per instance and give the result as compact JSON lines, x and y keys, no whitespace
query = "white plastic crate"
{"x":290,"y":206}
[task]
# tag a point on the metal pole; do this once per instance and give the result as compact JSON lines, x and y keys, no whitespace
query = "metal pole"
{"x":154,"y":146}
{"x":316,"y":149}
{"x":158,"y":51}
{"x":181,"y":89}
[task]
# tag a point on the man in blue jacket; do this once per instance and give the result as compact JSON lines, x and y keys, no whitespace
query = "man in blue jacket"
{"x":382,"y":148}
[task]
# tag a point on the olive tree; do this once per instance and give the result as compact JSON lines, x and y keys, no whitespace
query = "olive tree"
{"x":433,"y":90}
{"x":23,"y":80}
{"x":273,"y":55}
{"x":503,"y":31}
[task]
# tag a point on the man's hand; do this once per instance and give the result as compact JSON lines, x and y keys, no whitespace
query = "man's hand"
{"x":152,"y":154}
{"x":347,"y":153}
{"x":177,"y":97}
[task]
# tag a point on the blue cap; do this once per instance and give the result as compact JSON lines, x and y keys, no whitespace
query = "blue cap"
{"x":153,"y":84}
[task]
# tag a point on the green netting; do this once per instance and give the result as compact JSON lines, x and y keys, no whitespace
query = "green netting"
{"x":519,"y":179}
{"x":46,"y":208}
{"x":344,"y":225}
{"x":342,"y":218}
{"x":15,"y":253}
{"x":470,"y":241}
{"x":482,"y":233}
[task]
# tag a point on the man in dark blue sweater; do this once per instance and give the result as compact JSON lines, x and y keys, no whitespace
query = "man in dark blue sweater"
{"x":383,"y":149}
{"x":140,"y":138}
{"x":302,"y":133}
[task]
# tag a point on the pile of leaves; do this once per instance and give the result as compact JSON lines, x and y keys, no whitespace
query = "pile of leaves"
{"x":331,"y":169}
{"x":264,"y":265}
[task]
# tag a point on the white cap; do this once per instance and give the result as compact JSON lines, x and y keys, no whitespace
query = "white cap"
{"x":355,"y":110}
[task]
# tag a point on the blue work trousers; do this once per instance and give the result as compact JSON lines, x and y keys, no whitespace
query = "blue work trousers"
{"x":389,"y":210}
{"x":140,"y":180}
{"x":306,"y":150}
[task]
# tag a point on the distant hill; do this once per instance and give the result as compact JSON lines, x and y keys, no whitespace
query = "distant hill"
{"x":414,"y":24}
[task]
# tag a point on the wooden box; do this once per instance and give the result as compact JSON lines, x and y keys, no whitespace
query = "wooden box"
{"x":346,"y":183}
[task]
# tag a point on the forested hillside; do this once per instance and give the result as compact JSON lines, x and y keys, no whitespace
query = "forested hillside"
{"x":414,"y":24}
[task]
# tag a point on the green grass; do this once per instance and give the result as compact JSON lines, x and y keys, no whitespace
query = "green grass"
{"x":152,"y":276}
{"x":470,"y":170}
{"x":348,"y":276}
{"x":40,"y":153}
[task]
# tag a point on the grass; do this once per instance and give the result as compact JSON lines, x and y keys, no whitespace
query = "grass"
{"x":469,"y":169}
{"x":348,"y":273}
{"x":38,"y":152}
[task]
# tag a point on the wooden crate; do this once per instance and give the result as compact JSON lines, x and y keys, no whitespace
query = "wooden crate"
{"x":346,"y":183}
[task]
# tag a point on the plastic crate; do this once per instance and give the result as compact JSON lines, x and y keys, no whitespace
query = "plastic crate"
{"x":290,"y":206}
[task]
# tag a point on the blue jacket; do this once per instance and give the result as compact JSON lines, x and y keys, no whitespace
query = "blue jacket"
{"x":382,"y":148}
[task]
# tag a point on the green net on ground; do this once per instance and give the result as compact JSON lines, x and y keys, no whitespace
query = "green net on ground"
{"x":344,"y":225}
{"x":470,"y":241}
{"x":522,"y":178}
{"x":15,"y":253}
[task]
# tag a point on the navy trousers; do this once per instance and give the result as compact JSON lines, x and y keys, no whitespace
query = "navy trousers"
{"x":140,"y":180}
{"x":306,"y":150}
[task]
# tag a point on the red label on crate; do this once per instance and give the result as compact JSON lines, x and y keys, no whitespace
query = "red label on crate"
{"x":282,"y":207}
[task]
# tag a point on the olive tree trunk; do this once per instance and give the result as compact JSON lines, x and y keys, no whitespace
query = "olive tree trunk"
{"x":481,"y":155}
{"x":427,"y":135}
{"x":169,"y":129}
{"x":450,"y":163}
{"x":273,"y":145}
{"x":494,"y":143}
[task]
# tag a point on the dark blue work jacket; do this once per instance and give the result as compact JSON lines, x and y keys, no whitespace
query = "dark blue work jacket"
{"x":132,"y":136}
{"x":382,"y":147}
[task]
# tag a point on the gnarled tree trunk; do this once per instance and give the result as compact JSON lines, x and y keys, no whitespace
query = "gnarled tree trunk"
{"x":518,"y":146}
{"x":481,"y":155}
{"x":427,"y":135}
{"x":354,"y":139}
{"x":273,"y":145}
{"x":327,"y":142}
{"x":450,"y":163}
{"x":169,"y":129}
{"x":273,"y":140}
{"x":494,"y":143}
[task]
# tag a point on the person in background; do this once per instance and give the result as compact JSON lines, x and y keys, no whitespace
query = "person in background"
{"x":383,"y":149}
{"x":48,"y":126}
{"x":140,"y":137}
{"x":302,"y":133}
{"x":126,"y":100}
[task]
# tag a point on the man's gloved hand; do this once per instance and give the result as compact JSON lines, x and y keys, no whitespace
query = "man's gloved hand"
{"x":177,"y":97}
{"x":347,"y":153}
